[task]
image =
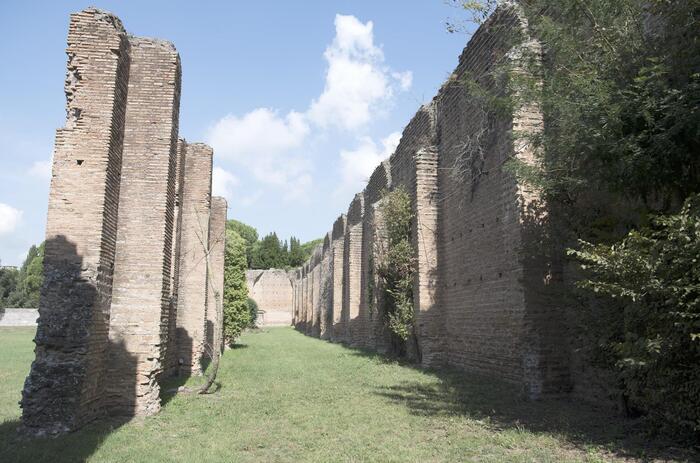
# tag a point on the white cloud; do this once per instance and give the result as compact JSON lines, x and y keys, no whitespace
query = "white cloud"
{"x":261,"y":142}
{"x":357,"y":165}
{"x":274,"y":148}
{"x":222,"y":183}
{"x":41,"y":169}
{"x":9,"y":218}
{"x":358,"y":84}
{"x":259,"y":132}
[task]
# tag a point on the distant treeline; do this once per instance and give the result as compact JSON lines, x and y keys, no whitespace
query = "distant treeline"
{"x":20,"y":287}
{"x":270,"y":251}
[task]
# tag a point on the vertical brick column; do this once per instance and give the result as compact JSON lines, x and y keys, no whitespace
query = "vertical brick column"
{"x":429,"y":318}
{"x":192,"y":285}
{"x":353,"y":270}
{"x":141,"y":286}
{"x":317,"y":303}
{"x":326,"y":289}
{"x":64,"y":388}
{"x":380,"y":332}
{"x":170,"y":362}
{"x":337,"y":251}
{"x":217,"y":247}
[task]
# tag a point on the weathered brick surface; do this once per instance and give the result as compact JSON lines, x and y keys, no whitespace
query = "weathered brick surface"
{"x":326,"y":289}
{"x":215,"y":279}
{"x":337,"y":252}
{"x":65,"y":386}
{"x":316,"y":291}
{"x":141,"y":284}
{"x":368,"y":317}
{"x":352,"y":272}
{"x":483,"y":290}
{"x":192,"y":285}
{"x":170,"y":365}
{"x":273,"y":291}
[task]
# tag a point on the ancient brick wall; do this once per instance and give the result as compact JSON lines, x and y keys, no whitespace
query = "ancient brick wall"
{"x":316,"y":291}
{"x":368,"y":317}
{"x":337,"y":331}
{"x":170,"y":365}
{"x":215,"y":279}
{"x":65,"y":386}
{"x":192,"y":285}
{"x":141,"y":284}
{"x":127,"y":230}
{"x":273,"y":291}
{"x":352,"y":272}
{"x":326,"y":289}
{"x":483,"y":288}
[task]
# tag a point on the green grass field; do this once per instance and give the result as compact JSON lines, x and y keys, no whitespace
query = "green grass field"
{"x":287,"y":397}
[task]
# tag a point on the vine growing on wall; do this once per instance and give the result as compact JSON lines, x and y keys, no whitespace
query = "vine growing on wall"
{"x":398,"y":265}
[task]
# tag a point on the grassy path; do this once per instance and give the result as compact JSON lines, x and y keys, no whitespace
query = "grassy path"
{"x":287,"y":397}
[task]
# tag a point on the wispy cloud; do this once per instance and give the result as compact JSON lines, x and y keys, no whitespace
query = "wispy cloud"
{"x":9,"y":218}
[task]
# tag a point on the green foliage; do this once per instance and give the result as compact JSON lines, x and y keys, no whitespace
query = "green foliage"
{"x":248,"y":233}
{"x":271,"y":253}
{"x":397,"y":266}
{"x":297,"y":256}
{"x":618,"y":83}
{"x":655,"y":274}
{"x":236,"y":312}
{"x":21,"y":288}
{"x":8,"y":285}
{"x":252,"y":311}
{"x":308,"y":247}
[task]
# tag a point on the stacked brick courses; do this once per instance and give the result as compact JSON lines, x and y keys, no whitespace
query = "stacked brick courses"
{"x":125,"y":229}
{"x":274,"y":293}
{"x":483,"y":291}
{"x":352,"y":272}
{"x":337,"y":252}
{"x":215,"y":279}
{"x":141,"y":285}
{"x":192,"y":285}
{"x":64,"y":389}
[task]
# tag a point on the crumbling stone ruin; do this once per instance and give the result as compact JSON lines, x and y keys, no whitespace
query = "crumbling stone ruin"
{"x":134,"y":241}
{"x":482,"y":296}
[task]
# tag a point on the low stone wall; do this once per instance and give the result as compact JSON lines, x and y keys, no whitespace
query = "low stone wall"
{"x":18,"y":317}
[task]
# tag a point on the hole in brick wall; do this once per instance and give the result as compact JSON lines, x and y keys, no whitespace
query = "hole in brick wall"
{"x":482,"y":225}
{"x":500,"y":274}
{"x":481,"y":278}
{"x":79,"y":162}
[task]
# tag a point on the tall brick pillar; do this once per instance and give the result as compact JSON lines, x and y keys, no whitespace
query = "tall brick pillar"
{"x":326,"y":289}
{"x":171,"y":354}
{"x":192,"y":285}
{"x":352,"y":270}
{"x":429,"y":317}
{"x":217,"y":247}
{"x":337,"y":251}
{"x":64,"y":388}
{"x":141,"y":286}
{"x":316,"y":295}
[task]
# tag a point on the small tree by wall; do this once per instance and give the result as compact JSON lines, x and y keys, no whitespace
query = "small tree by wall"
{"x":396,"y":267}
{"x":236,"y":310}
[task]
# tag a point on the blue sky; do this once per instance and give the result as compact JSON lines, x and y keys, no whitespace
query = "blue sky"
{"x":299,"y":99}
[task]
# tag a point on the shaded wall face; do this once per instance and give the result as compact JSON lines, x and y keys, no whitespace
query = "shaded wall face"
{"x":81,"y":232}
{"x":215,"y":282}
{"x":141,"y":285}
{"x":170,"y":362}
{"x":273,"y":291}
{"x":192,"y":285}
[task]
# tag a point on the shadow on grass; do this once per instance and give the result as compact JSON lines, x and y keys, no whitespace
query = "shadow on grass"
{"x":501,"y":406}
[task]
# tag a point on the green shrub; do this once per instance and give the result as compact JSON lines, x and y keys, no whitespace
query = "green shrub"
{"x":397,"y":267}
{"x":653,"y":340}
{"x":236,"y":310}
{"x":252,"y":312}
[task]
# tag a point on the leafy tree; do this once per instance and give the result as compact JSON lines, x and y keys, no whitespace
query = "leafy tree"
{"x":653,"y":328}
{"x":296,"y":253}
{"x":236,"y":311}
{"x":248,"y":233}
{"x":397,"y":266}
{"x":308,"y":247}
{"x":8,"y":284}
{"x":618,"y":83}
